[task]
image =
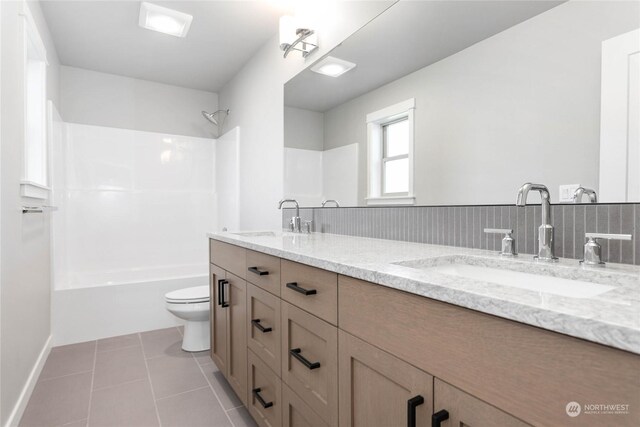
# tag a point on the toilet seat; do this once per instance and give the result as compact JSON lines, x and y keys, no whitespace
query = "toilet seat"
{"x":197,"y":294}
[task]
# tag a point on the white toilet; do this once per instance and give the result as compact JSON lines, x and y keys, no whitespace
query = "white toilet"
{"x":192,"y":305}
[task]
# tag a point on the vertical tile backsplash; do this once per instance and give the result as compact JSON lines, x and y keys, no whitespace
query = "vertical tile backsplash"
{"x":464,"y":226}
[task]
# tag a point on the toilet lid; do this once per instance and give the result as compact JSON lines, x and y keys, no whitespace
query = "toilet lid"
{"x":195,"y":294}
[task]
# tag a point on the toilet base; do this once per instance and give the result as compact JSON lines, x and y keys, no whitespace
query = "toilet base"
{"x":196,"y":336}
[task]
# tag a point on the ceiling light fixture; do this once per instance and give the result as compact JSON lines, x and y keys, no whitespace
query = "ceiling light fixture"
{"x":333,"y":67}
{"x":164,"y":20}
{"x":294,"y":36}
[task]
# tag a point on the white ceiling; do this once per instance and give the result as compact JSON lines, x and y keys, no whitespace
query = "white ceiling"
{"x":105,"y":36}
{"x":408,"y":36}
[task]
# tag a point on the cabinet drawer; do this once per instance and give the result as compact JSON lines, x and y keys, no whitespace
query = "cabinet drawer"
{"x":229,"y":257}
{"x":296,"y":413}
{"x":265,"y":391}
{"x":263,"y":326}
{"x":264,"y":271}
{"x":311,"y":289}
{"x":310,"y":360}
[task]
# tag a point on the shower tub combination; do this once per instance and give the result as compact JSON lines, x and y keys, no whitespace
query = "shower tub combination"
{"x":134,"y":210}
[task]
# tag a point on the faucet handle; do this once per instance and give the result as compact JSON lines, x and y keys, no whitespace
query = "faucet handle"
{"x":592,"y":250}
{"x":307,"y":226}
{"x":508,"y":243}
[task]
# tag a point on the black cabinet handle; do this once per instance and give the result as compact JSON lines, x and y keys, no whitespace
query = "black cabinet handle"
{"x":412,"y":404}
{"x":221,"y":301}
{"x":295,"y":352}
{"x":264,"y":403}
{"x":294,"y":286}
{"x":256,"y":323}
{"x":439,"y":417}
{"x":255,"y":270}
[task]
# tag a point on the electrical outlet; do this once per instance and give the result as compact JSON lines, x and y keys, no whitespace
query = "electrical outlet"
{"x":566,"y":192}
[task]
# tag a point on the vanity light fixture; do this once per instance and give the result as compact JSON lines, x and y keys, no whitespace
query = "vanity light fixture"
{"x":164,"y":20}
{"x":294,"y":36}
{"x":333,"y":67}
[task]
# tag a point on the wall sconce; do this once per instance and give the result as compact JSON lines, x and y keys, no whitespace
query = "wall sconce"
{"x":294,"y":36}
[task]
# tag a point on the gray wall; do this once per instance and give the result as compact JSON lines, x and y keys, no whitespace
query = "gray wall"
{"x":523,"y":105}
{"x":101,"y":99}
{"x":25,"y":285}
{"x":303,"y":129}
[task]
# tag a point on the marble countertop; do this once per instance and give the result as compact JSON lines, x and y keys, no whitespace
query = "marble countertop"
{"x":611,"y":318}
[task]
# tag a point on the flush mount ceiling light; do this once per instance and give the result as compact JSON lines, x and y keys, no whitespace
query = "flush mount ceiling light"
{"x":164,"y":20}
{"x":295,"y":36}
{"x":333,"y":67}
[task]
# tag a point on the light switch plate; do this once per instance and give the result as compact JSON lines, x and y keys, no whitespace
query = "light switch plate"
{"x":566,"y":192}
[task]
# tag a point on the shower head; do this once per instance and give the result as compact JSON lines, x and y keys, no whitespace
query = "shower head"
{"x":212,"y":116}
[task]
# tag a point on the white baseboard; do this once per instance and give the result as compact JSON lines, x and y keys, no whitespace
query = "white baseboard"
{"x":27,"y":390}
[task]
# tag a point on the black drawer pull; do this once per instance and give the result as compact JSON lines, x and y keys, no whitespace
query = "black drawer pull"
{"x":412,"y":404}
{"x":439,"y":417}
{"x":303,"y":291}
{"x":256,"y":323}
{"x":255,"y":270}
{"x":295,"y":352}
{"x":221,"y":301}
{"x":264,"y":403}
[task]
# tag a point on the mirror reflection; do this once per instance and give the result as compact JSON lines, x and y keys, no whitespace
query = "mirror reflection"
{"x":449,"y":103}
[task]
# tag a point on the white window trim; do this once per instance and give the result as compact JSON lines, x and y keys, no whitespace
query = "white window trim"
{"x":375,"y":121}
{"x":30,"y":34}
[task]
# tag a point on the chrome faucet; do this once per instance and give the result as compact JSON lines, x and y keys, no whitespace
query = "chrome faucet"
{"x":324,"y":202}
{"x":294,"y":224}
{"x":580,"y":191}
{"x":593,"y":251}
{"x":545,"y":231}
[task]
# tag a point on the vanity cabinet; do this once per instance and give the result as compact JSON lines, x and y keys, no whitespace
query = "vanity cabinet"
{"x":289,"y":349}
{"x":228,"y":323}
{"x":380,"y":390}
{"x":462,"y":409}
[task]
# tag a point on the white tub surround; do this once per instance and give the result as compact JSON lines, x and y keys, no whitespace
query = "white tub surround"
{"x":609,"y":318}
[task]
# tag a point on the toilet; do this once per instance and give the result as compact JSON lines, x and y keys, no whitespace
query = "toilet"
{"x":192,"y":305}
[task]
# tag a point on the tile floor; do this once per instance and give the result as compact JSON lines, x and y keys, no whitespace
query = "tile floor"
{"x":135,"y":380}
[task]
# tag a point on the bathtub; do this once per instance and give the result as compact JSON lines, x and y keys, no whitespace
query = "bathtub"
{"x":89,"y":306}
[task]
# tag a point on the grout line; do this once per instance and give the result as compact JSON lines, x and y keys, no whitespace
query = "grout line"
{"x":93,"y":375}
{"x":153,"y":393}
{"x":76,"y":421}
{"x":214,"y":392}
{"x":119,"y":384}
{"x":234,"y":408}
{"x":63,"y":376}
{"x":119,"y":348}
{"x":183,"y":392}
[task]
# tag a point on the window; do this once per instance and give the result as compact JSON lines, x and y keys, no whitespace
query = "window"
{"x":35,"y":170}
{"x":390,"y":155}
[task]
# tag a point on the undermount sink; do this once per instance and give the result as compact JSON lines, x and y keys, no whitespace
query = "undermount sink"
{"x":515,"y":279}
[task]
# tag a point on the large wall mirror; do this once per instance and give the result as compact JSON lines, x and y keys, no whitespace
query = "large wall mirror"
{"x":461,"y":102}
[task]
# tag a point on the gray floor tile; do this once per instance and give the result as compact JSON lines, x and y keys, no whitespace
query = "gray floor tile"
{"x":175,"y":373}
{"x":69,"y":359}
{"x":121,"y":341}
{"x":161,"y":342}
{"x":222,"y":388}
{"x":58,"y":401}
{"x":128,"y":404}
{"x":81,"y":423}
{"x":119,"y":366}
{"x":240,"y":417}
{"x":194,"y":409}
{"x":203,"y":357}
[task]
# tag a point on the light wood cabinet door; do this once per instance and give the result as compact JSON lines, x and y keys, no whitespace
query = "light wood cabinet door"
{"x":310,"y":360}
{"x":265,"y":391}
{"x":218,"y":318}
{"x":296,"y":413}
{"x":312,"y":289}
{"x":264,"y":271}
{"x":263,"y":326}
{"x":380,"y":390}
{"x":458,"y":408}
{"x":235,"y":293}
